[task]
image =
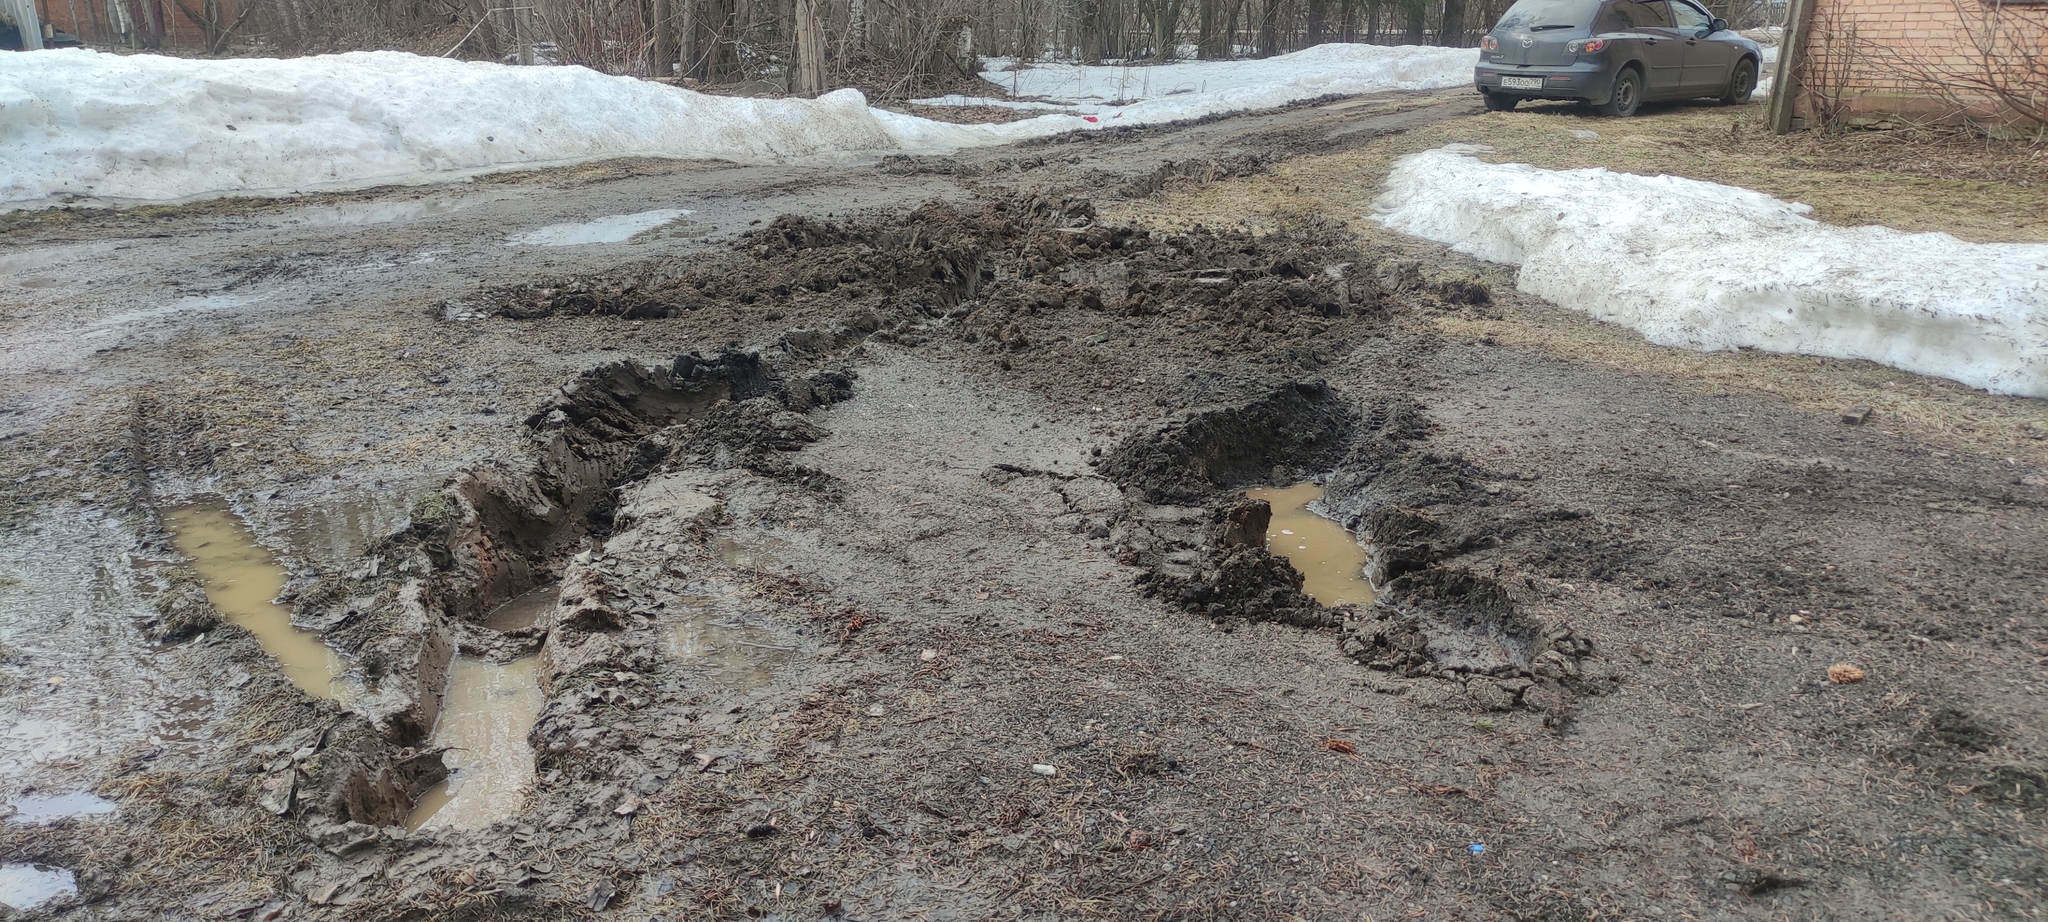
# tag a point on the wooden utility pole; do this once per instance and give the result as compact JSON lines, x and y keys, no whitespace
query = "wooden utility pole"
{"x":1791,"y":47}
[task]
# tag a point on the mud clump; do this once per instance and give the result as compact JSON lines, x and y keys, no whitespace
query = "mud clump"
{"x":1207,"y":556}
{"x":1447,"y":620}
{"x":1181,"y":174}
{"x":1298,"y":425}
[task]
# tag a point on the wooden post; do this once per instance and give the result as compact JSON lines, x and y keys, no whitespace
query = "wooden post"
{"x":1791,"y":47}
{"x":522,"y":30}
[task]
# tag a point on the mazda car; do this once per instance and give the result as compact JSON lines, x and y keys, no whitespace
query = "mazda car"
{"x":1614,"y":54}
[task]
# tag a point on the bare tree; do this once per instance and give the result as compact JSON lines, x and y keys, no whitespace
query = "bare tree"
{"x":214,"y":27}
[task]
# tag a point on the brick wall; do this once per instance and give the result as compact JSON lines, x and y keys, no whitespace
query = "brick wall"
{"x":1871,"y":59}
{"x":97,"y":21}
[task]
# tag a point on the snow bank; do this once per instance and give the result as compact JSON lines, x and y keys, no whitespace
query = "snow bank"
{"x":154,"y":128}
{"x":128,"y":128}
{"x":1707,"y":266}
{"x":1192,"y":89}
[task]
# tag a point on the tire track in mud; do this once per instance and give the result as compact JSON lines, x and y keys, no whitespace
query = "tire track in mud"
{"x":1051,"y":581}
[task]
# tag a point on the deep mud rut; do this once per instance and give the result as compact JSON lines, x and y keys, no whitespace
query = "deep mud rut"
{"x":904,"y":572}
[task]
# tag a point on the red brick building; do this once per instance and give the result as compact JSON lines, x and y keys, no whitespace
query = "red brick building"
{"x":138,"y":23}
{"x":1862,"y":61}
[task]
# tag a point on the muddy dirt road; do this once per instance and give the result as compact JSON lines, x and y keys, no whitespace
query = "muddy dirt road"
{"x":871,"y":542}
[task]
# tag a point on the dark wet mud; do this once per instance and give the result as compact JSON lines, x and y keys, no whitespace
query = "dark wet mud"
{"x":937,"y":562}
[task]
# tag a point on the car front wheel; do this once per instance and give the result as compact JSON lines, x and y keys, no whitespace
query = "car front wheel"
{"x":1627,"y":95}
{"x":1741,"y":83}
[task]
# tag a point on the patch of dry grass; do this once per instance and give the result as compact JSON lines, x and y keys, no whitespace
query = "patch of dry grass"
{"x":1975,"y":189}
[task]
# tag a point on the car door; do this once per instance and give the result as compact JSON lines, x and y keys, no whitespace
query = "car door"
{"x":1706,"y":60}
{"x":1663,"y":52}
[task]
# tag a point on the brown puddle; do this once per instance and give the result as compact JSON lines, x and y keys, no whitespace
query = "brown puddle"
{"x":486,"y":714}
{"x":525,"y":611}
{"x":243,"y":580}
{"x":1331,"y":561}
{"x":741,"y":657}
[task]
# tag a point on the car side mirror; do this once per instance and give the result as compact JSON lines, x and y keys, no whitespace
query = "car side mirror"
{"x":1718,"y":25}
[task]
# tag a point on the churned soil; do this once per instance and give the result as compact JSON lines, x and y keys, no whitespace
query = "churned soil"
{"x":958,"y":488}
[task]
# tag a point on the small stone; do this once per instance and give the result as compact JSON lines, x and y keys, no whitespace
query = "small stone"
{"x":1044,"y":769}
{"x":1844,"y":674}
{"x":876,"y":710}
{"x":927,"y":656}
{"x":1856,"y":416}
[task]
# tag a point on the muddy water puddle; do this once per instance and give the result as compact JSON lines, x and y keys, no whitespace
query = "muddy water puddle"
{"x":26,"y":886}
{"x":613,"y":229}
{"x":1331,"y":561}
{"x":243,"y":580}
{"x":738,"y":655}
{"x":486,"y":713}
{"x":525,"y":611}
{"x":344,"y":529}
{"x":44,"y":809}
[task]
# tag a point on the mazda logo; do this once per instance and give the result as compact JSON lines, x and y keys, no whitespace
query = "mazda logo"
{"x":1527,"y":41}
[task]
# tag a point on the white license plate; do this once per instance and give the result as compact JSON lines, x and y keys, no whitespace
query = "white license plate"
{"x":1522,"y":83}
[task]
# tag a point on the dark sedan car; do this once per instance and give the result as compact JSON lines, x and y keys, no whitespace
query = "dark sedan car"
{"x":1615,"y":54}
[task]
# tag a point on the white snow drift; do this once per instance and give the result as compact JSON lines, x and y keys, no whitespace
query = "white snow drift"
{"x":80,"y":124}
{"x":154,"y":128}
{"x":1191,"y":89}
{"x":1707,"y":266}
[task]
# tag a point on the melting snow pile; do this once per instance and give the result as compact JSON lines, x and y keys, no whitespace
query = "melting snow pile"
{"x":155,"y":128}
{"x":1707,"y":266}
{"x":80,"y":124}
{"x":1172,"y":92}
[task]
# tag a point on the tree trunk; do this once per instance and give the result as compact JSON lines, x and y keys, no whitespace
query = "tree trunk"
{"x":661,"y":59}
{"x":1450,"y":33}
{"x":1318,"y":22}
{"x":1211,"y":42}
{"x":1092,"y":28}
{"x":809,"y":76}
{"x":1414,"y":28}
{"x":724,"y":23}
{"x":857,"y":24}
{"x":687,"y":47}
{"x":1165,"y":19}
{"x":1269,"y":29}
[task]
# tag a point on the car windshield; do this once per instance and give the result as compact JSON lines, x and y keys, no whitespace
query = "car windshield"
{"x":1537,"y":15}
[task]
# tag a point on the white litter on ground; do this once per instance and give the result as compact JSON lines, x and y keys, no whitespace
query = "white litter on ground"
{"x":1713,"y":267}
{"x":1146,"y":94}
{"x":78,"y":125}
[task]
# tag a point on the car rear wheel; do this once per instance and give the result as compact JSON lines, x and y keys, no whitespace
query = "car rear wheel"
{"x":1498,"y":102}
{"x":1627,"y":95}
{"x":1741,"y":84}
